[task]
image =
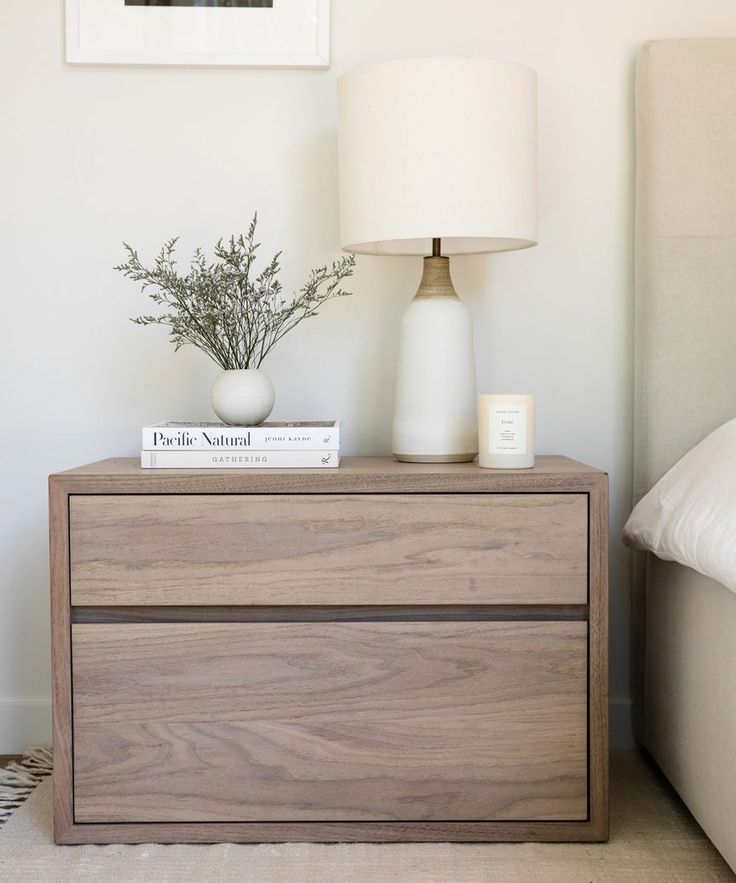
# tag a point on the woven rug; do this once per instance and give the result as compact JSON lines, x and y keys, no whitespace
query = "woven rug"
{"x":19,"y":778}
{"x":653,"y":838}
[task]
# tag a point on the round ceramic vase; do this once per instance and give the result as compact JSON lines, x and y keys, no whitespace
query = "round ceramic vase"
{"x":242,"y":397}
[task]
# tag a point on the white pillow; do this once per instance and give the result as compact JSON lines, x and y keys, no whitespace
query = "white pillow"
{"x":689,"y":515}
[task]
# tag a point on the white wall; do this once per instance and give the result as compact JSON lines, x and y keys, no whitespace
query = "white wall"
{"x":92,"y":156}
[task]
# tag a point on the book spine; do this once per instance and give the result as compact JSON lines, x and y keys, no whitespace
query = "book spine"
{"x":239,"y":459}
{"x":245,"y":439}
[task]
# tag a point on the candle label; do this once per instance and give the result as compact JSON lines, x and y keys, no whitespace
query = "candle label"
{"x":508,"y":429}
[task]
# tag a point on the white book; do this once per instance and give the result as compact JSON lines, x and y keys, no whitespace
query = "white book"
{"x":173,"y":435}
{"x":239,"y":459}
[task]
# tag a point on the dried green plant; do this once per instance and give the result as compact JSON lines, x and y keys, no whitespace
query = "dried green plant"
{"x":218,"y":306}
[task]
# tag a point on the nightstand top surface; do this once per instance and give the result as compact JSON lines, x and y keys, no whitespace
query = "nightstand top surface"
{"x":354,"y":475}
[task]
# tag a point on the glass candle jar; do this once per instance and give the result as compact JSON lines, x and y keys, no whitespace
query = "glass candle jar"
{"x":506,"y":431}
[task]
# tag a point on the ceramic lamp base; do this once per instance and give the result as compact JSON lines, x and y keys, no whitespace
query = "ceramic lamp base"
{"x":435,"y":410}
{"x":436,"y":458}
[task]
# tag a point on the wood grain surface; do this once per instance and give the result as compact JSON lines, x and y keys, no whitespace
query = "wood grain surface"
{"x":330,"y":721}
{"x":356,"y":475}
{"x":598,"y":658}
{"x":329,"y":832}
{"x":310,"y":549}
{"x":61,"y":672}
{"x":365,"y":469}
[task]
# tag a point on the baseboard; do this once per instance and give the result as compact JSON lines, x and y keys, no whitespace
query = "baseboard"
{"x":28,"y":722}
{"x":621,"y":731}
{"x":24,"y":723}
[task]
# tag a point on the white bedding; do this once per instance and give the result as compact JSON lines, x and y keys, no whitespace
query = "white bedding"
{"x":689,"y":516}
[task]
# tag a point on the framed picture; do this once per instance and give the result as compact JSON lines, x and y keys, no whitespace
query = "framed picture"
{"x":247,"y":33}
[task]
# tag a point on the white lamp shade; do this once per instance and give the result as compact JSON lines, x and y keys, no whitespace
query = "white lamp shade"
{"x":437,"y":147}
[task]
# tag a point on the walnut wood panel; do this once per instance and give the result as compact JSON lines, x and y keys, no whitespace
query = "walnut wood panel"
{"x":309,"y":549}
{"x":359,"y":470}
{"x":385,"y":721}
{"x":328,"y":832}
{"x":598,"y":658}
{"x":355,"y":475}
{"x":61,"y":693}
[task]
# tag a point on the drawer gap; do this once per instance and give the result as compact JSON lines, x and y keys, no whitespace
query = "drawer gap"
{"x":330,"y":613}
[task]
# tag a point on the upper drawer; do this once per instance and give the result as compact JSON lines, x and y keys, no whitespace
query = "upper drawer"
{"x":329,"y":549}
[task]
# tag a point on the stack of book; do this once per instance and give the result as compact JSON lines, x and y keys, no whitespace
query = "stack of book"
{"x":175,"y":445}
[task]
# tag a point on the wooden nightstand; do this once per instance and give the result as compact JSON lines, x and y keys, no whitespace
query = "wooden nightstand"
{"x":382,"y":651}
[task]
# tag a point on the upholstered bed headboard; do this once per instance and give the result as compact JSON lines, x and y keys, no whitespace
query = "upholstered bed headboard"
{"x":685,"y":316}
{"x":685,"y":339}
{"x":685,"y":350}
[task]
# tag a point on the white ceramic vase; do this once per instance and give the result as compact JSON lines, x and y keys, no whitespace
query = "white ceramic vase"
{"x":243,"y":397}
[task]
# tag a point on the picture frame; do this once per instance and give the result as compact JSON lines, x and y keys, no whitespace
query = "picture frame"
{"x":240,"y":33}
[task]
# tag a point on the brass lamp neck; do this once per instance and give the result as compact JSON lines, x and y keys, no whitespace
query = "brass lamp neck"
{"x":436,"y":247}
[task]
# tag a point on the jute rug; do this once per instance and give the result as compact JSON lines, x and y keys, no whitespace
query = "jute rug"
{"x":18,"y":779}
{"x":653,"y":838}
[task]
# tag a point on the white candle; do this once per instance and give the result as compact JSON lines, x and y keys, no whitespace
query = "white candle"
{"x":506,"y":431}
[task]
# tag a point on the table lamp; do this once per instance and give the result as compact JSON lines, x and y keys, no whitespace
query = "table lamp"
{"x":437,"y":157}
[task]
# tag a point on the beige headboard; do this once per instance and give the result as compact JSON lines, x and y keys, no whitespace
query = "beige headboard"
{"x":685,"y":349}
{"x":685,"y":318}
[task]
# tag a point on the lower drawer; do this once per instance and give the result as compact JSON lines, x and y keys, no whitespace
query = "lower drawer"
{"x":329,"y":721}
